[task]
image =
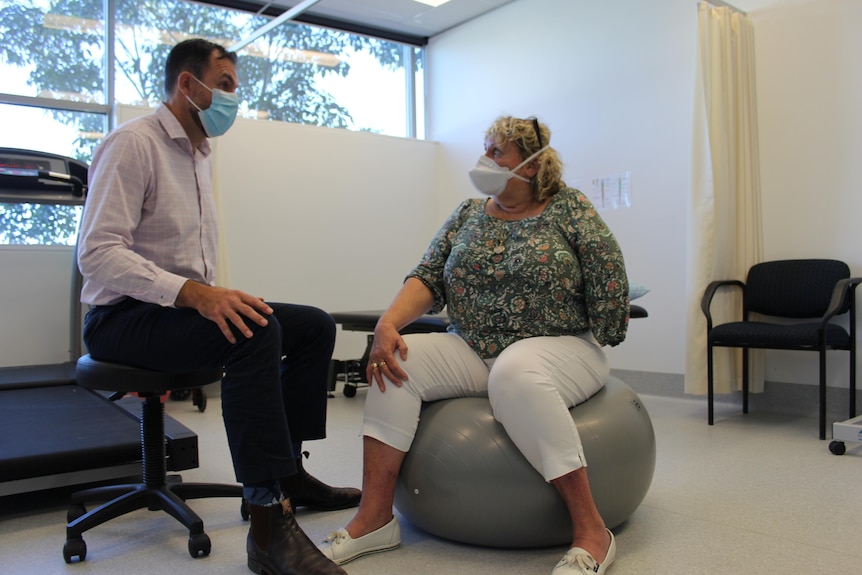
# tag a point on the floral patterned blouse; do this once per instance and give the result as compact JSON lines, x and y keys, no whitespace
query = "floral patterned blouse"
{"x":558,"y":273}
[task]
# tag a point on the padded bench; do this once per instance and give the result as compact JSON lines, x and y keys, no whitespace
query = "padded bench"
{"x":57,"y":435}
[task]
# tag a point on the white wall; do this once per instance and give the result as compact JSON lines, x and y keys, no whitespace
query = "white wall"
{"x":324,"y":217}
{"x":35,"y":299}
{"x":613,"y":80}
{"x":809,"y":81}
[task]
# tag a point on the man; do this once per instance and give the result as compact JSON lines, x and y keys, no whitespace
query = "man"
{"x":147,"y":251}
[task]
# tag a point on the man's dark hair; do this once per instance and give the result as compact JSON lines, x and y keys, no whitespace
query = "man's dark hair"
{"x":191,"y":56}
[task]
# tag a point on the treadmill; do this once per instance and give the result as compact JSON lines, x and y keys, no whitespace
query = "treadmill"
{"x":54,"y":433}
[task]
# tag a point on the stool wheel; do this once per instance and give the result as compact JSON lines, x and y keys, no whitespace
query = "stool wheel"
{"x":199,"y":545}
{"x":349,"y":390}
{"x":74,"y":547}
{"x":199,"y":398}
{"x":837,"y":447}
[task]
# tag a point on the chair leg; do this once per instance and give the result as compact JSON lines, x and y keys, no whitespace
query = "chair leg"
{"x":133,"y":498}
{"x":822,"y":409}
{"x":745,"y":383}
{"x":165,"y":499}
{"x":710,"y":389}
{"x":853,"y":381}
{"x":186,"y":491}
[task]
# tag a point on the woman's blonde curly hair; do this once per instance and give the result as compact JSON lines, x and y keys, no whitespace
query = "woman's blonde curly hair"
{"x":548,"y":180}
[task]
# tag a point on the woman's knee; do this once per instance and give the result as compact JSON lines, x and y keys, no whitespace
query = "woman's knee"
{"x":391,"y":416}
{"x":511,"y":376}
{"x":573,"y":366}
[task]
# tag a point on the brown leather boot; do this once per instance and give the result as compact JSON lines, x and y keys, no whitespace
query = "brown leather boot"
{"x":307,"y":491}
{"x":276,"y":545}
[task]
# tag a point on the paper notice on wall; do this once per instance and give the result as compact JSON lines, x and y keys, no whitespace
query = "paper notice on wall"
{"x":612,"y":192}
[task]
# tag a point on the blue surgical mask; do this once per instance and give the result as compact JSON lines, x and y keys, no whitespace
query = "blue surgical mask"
{"x":219,"y":117}
{"x":490,"y":178}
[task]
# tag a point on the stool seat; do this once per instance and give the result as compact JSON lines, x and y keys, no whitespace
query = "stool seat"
{"x":105,"y":376}
{"x":156,"y":491}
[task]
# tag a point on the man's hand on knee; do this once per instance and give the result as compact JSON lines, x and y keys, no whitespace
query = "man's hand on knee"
{"x":224,"y":306}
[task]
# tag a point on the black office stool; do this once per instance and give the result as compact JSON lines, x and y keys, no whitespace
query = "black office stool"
{"x":156,"y":492}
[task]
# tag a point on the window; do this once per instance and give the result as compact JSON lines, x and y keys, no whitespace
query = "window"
{"x":53,"y":104}
{"x":63,"y":132}
{"x":56,"y":93}
{"x":53,"y":50}
{"x":295,"y":73}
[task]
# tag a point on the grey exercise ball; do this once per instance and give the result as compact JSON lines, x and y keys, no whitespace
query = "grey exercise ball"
{"x":463,"y":478}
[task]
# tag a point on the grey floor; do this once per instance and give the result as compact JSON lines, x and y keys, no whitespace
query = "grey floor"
{"x":752,"y":494}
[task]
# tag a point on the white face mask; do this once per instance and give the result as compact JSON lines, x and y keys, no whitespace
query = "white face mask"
{"x":490,"y":178}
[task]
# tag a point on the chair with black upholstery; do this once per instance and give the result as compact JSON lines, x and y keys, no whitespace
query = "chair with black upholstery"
{"x":157,"y":491}
{"x":796,"y":302}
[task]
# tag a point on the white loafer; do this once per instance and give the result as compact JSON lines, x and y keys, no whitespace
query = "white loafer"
{"x":340,"y":547}
{"x":577,"y":561}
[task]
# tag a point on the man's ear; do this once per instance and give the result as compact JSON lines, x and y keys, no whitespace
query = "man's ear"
{"x":184,"y":81}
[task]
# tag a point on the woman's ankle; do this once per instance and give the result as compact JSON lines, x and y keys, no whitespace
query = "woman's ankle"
{"x":364,"y":524}
{"x":596,"y":544}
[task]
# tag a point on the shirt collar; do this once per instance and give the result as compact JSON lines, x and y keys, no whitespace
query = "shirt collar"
{"x":175,"y":130}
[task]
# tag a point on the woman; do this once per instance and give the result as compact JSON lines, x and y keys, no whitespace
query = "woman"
{"x":534,"y":284}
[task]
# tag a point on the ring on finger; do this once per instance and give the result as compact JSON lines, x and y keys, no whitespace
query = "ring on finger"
{"x":381,"y":364}
{"x":374,"y":365}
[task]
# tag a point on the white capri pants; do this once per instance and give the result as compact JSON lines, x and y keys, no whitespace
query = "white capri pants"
{"x":531,"y":386}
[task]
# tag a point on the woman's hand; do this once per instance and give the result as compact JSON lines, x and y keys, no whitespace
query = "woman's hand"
{"x":412,"y":300}
{"x":382,"y":361}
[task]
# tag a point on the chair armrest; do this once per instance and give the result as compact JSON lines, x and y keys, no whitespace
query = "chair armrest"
{"x":636,"y":311}
{"x":708,"y":294}
{"x":839,"y":295}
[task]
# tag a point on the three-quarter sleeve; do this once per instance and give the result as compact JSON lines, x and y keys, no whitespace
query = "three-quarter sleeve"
{"x":431,"y":267}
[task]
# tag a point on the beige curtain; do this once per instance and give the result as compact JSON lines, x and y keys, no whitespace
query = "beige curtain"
{"x":725,"y":236}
